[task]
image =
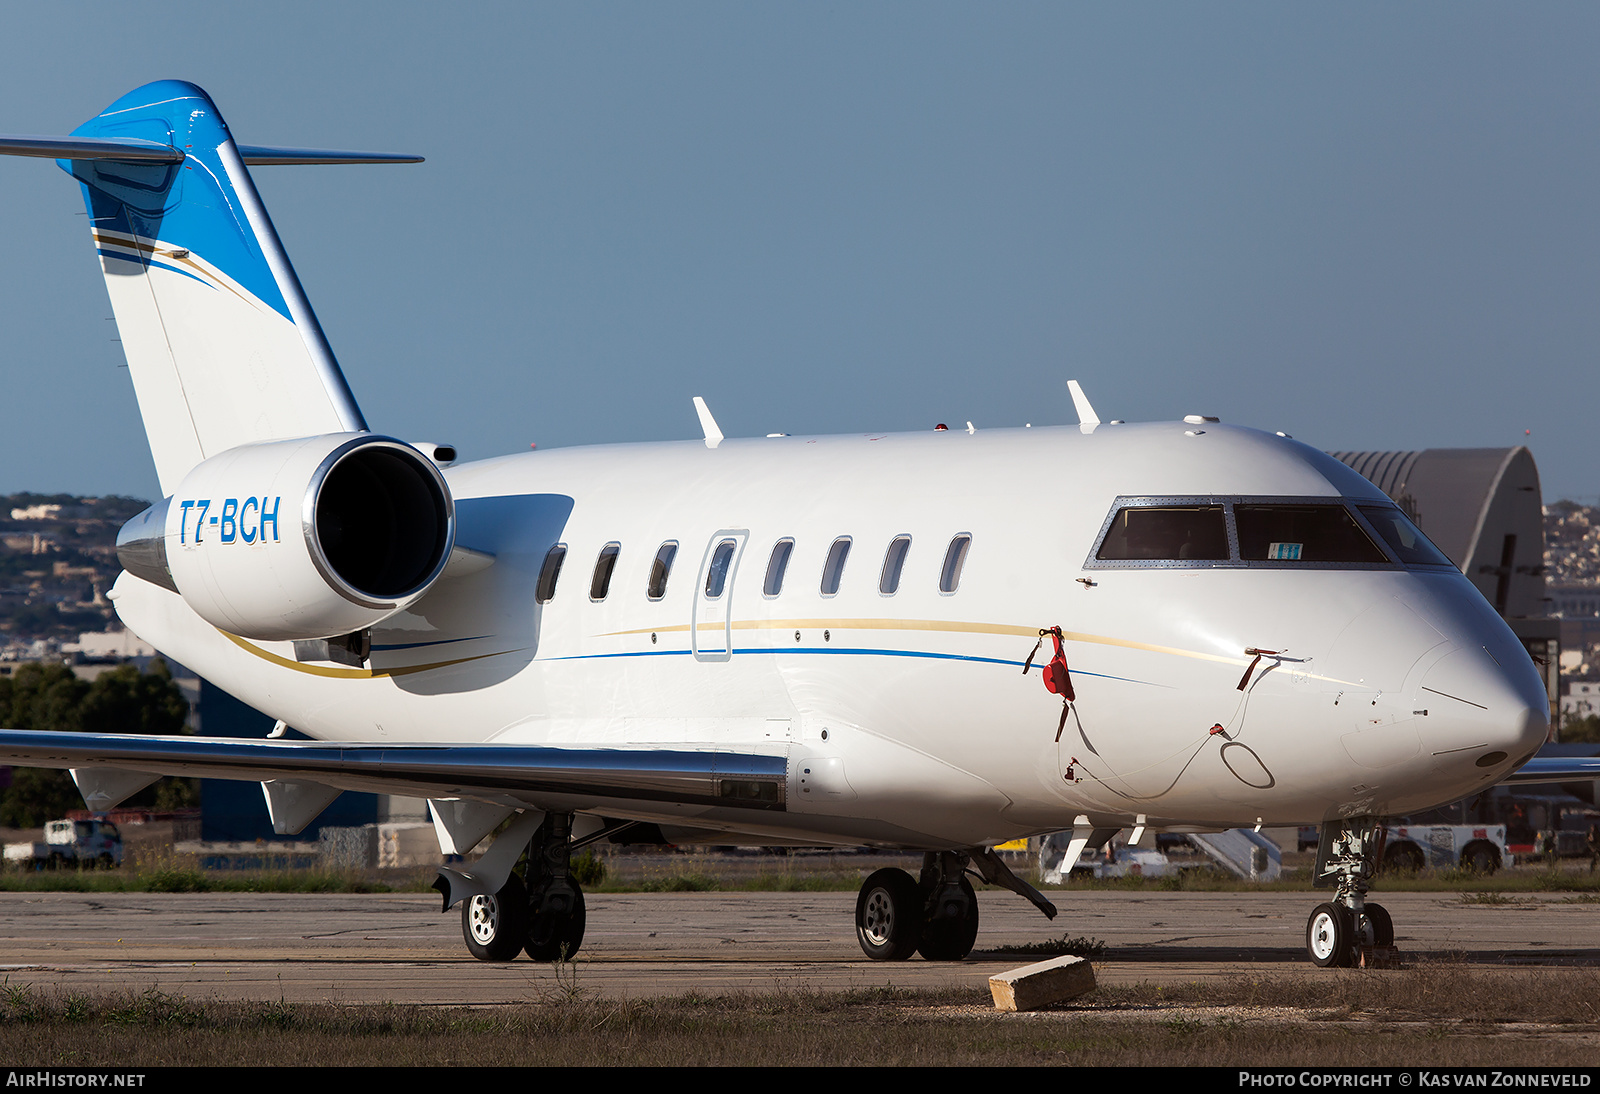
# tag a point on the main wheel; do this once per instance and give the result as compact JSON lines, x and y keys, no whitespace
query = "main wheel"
{"x":495,"y":926}
{"x":948,"y":933}
{"x":889,"y":916}
{"x":1328,"y":936}
{"x":556,"y":936}
{"x":1382,"y":925}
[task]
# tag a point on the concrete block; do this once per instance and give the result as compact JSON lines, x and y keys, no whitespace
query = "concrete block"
{"x":1039,"y":985}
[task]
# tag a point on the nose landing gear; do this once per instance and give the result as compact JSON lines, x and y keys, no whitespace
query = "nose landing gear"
{"x":1348,"y":931}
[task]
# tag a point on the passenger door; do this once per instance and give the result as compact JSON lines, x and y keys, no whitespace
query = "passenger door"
{"x":711,"y":624}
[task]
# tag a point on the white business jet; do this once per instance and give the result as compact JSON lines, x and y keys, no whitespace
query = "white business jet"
{"x":805,"y":640}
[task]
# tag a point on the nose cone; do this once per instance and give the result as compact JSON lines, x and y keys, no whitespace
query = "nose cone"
{"x":1484,"y":716}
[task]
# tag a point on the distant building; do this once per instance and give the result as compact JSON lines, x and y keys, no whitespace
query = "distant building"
{"x":1575,"y":601}
{"x":1581,"y":700}
{"x":98,"y":645}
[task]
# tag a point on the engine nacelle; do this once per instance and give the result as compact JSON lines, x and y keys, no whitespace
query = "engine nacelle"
{"x":301,"y":539}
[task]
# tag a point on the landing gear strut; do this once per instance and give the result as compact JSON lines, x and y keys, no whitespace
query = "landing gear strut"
{"x":1341,"y":932}
{"x":950,"y":907}
{"x":556,"y":915}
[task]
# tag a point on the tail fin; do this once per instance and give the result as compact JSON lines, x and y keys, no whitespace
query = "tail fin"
{"x":222,"y":344}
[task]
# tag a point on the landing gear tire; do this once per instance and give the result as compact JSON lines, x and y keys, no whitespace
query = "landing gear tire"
{"x":496,"y":926}
{"x":1328,"y":938}
{"x":1382,"y":925}
{"x":948,"y":934}
{"x":889,"y":916}
{"x":556,"y":935}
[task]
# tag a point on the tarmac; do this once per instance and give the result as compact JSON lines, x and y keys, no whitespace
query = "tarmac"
{"x":400,"y":948}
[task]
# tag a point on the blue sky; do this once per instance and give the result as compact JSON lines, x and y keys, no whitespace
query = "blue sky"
{"x":1369,"y":225}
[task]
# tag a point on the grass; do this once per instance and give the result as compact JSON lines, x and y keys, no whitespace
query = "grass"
{"x":1078,"y":946}
{"x":1434,"y":1015}
{"x":151,"y":871}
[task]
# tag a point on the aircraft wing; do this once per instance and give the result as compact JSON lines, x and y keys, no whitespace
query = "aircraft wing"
{"x":1555,"y":769}
{"x":506,"y":774}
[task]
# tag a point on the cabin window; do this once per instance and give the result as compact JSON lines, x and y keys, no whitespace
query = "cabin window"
{"x":661,"y":569}
{"x":776,"y":565}
{"x":1404,"y":538}
{"x":955,"y":558}
{"x":549,"y":572}
{"x":1302,"y":533}
{"x":600,"y":584}
{"x":1167,"y":533}
{"x":717,"y":572}
{"x":894,"y":561}
{"x":833,"y":569}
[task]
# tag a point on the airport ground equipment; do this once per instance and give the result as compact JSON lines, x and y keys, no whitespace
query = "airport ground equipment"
{"x":1479,"y":848}
{"x":94,"y":843}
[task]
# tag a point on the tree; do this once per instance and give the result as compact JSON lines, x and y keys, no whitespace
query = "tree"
{"x":124,"y":700}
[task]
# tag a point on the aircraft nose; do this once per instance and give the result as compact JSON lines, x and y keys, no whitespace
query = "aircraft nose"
{"x":1482,"y":712}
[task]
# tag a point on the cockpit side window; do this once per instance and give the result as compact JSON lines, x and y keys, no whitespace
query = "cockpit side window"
{"x":1303,"y":533}
{"x":1167,"y":533}
{"x":1404,"y":538}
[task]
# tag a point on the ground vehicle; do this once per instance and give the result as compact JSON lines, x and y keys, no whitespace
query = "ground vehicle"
{"x":70,"y":843}
{"x":1479,"y":848}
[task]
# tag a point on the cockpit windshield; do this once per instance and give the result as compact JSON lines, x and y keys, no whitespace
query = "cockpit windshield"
{"x":1270,"y":532}
{"x":1404,"y":538}
{"x":1303,"y":533}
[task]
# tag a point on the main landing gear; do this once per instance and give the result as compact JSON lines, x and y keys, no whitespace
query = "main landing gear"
{"x":1347,"y":930}
{"x":935,"y":914}
{"x":543,"y":915}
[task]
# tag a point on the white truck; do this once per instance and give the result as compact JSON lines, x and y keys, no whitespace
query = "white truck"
{"x":1480,"y":848}
{"x":69,"y":843}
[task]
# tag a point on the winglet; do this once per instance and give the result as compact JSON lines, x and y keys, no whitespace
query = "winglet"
{"x":707,"y":423}
{"x":1087,"y":418}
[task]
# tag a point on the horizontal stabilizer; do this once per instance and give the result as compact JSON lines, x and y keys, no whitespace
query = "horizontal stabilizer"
{"x":259,"y":154}
{"x":481,"y":772}
{"x":122,"y":149}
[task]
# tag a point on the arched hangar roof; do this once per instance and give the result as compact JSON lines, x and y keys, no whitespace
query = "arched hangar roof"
{"x":1481,"y":506}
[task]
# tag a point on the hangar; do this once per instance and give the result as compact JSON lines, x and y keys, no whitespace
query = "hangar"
{"x":1482,"y":507}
